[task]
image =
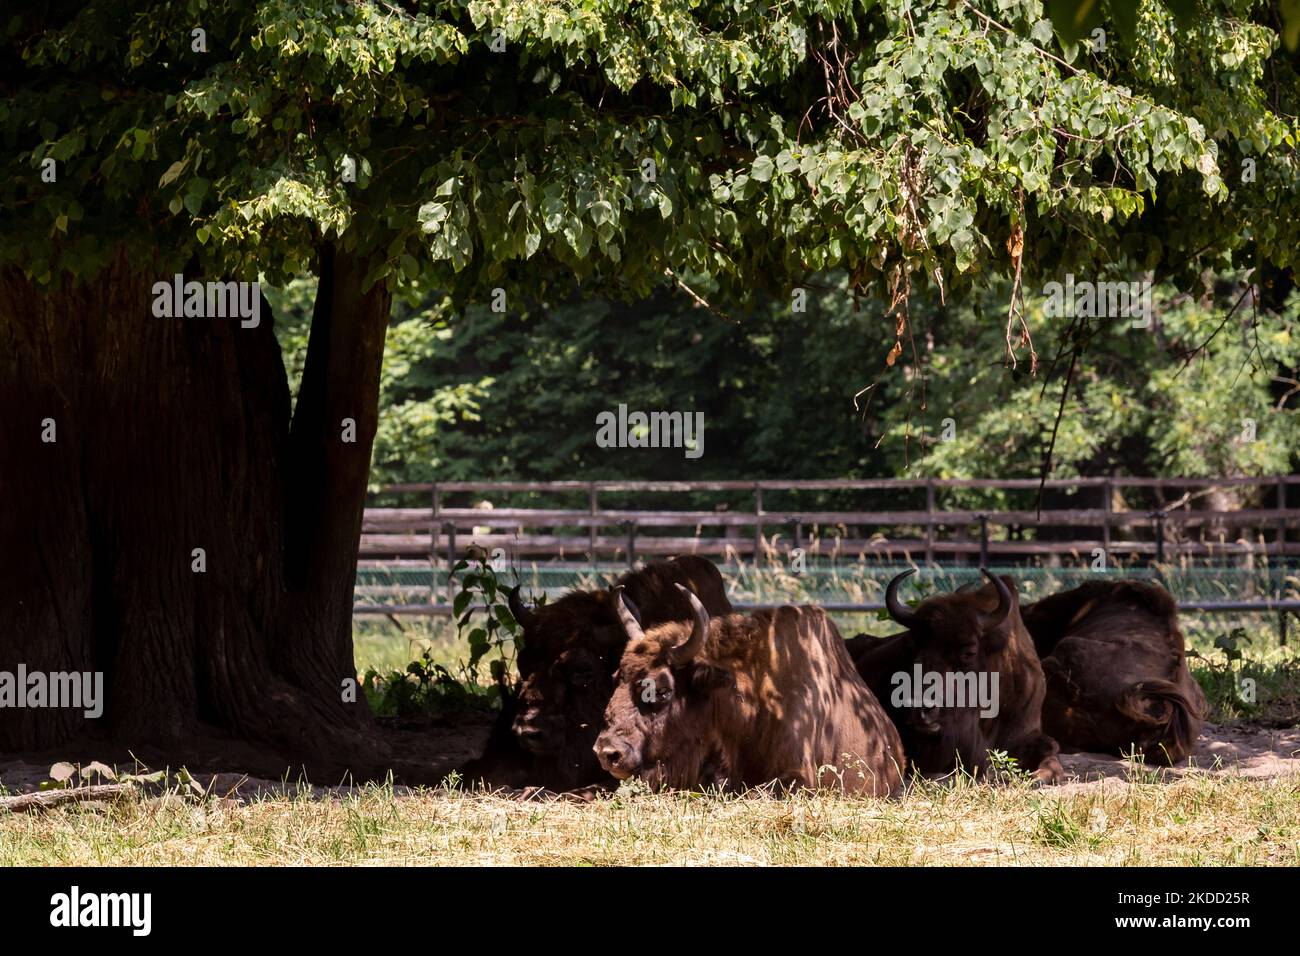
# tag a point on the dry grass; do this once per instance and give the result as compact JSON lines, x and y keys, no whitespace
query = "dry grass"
{"x":1203,"y":820}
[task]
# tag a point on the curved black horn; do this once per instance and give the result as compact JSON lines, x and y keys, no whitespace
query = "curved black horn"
{"x":626,"y":616}
{"x":1004,"y":602}
{"x":521,"y":611}
{"x":692,"y":646}
{"x":618,"y":595}
{"x":900,"y":612}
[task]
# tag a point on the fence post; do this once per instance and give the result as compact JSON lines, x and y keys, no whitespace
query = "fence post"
{"x":758,"y":523}
{"x":1281,"y":521}
{"x":591,"y":498}
{"x":798,"y":532}
{"x":984,"y":541}
{"x":451,"y":561}
{"x":929,"y":521}
{"x":433,"y":551}
{"x":1159,"y":517}
{"x":1281,"y":627}
{"x":631,"y":545}
{"x":1108,"y":489}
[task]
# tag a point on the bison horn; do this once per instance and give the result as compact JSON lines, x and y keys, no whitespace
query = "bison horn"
{"x":631,"y":605}
{"x":522,"y":612}
{"x":692,"y":646}
{"x":900,"y":612}
{"x":627,"y":616}
{"x":1005,"y":601}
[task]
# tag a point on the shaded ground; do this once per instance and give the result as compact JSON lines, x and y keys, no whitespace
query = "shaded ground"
{"x":1220,"y":751}
{"x":446,"y":743}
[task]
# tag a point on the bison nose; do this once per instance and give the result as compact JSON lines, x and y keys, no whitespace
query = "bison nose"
{"x":535,"y":734}
{"x":927,"y":721}
{"x":616,"y":757}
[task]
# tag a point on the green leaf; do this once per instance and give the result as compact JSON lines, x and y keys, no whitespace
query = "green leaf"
{"x":97,"y":769}
{"x":504,"y":615}
{"x":174,"y":170}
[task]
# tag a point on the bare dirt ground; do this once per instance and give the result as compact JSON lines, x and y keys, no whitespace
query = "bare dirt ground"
{"x":1250,"y":753}
{"x":1220,"y":751}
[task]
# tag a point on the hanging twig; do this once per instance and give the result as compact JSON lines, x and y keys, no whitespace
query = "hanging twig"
{"x":1077,"y":329}
{"x":699,"y":300}
{"x":1201,"y":348}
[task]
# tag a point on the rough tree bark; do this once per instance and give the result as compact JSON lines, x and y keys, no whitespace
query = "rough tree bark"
{"x":173,"y":435}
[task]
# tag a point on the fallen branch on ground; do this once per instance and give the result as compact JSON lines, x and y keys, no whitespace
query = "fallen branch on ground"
{"x":48,"y":799}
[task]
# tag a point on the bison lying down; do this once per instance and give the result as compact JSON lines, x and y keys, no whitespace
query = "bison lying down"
{"x":1116,"y":666}
{"x":968,"y":641}
{"x":570,"y":649}
{"x":741,"y":701}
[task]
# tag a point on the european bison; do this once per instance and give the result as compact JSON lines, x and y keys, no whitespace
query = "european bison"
{"x":962,"y":680}
{"x":740,"y":701}
{"x":1116,"y":666}
{"x":570,"y":650}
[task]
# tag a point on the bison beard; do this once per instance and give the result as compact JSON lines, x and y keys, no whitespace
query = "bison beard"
{"x":971,"y":630}
{"x":545,"y":732}
{"x":743,"y":701}
{"x":1116,"y":668}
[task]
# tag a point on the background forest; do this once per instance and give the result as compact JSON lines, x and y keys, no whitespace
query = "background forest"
{"x":1207,"y":390}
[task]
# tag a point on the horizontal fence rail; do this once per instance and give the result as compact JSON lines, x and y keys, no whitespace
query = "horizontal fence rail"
{"x":1168,"y":528}
{"x":1147,"y":522}
{"x":1223,"y":607}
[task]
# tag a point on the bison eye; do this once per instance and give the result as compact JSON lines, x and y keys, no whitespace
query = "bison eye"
{"x":650,"y":696}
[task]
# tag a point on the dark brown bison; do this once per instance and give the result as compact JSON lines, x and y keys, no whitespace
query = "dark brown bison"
{"x":1116,"y":666}
{"x":569,"y":652}
{"x":740,"y":701}
{"x":962,"y":680}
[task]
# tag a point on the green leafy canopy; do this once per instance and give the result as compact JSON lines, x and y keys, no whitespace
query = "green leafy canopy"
{"x":889,"y":140}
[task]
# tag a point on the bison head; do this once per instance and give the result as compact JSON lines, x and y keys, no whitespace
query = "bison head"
{"x":656,"y":721}
{"x":568,"y":654}
{"x":956,"y":637}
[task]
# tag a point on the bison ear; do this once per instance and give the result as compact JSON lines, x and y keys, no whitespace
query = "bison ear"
{"x":996,"y":638}
{"x":709,"y":677}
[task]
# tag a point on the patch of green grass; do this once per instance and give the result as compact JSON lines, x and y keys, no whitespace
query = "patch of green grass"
{"x":1263,"y":692}
{"x":1064,"y":826}
{"x":426,"y":688}
{"x":390,"y":643}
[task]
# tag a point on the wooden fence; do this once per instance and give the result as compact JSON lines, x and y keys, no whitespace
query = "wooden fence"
{"x":1165,"y":525}
{"x":1171,"y":528}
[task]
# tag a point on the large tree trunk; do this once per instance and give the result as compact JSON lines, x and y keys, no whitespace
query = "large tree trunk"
{"x":174,"y":434}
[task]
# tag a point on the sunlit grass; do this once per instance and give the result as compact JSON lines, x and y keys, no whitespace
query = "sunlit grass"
{"x":1204,"y":820}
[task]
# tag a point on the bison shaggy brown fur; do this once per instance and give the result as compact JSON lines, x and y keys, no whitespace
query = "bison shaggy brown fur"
{"x":569,"y":652}
{"x":741,"y":701}
{"x":972,"y":631}
{"x":1116,"y":666}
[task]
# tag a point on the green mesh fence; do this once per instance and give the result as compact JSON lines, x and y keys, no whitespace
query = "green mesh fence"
{"x":850,"y":591}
